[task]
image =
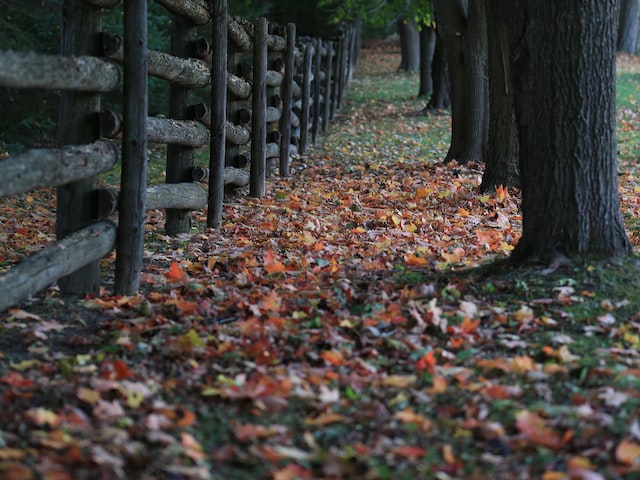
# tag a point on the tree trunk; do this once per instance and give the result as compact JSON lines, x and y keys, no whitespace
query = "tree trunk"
{"x":564,"y":73}
{"x":463,"y":31}
{"x":409,"y":46}
{"x":629,"y":26}
{"x":501,"y":156}
{"x":427,"y":49}
{"x":441,"y":95}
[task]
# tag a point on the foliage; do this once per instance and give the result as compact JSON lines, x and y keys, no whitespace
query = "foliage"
{"x":380,"y":12}
{"x":360,"y":321}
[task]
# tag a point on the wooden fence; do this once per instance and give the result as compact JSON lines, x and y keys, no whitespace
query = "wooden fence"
{"x":270,"y":91}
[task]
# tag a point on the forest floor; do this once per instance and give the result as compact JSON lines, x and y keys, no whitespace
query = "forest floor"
{"x":359,"y":321}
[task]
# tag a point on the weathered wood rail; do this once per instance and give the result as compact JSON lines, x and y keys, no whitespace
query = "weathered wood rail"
{"x":270,"y":92}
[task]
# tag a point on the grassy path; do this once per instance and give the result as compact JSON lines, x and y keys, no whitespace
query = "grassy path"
{"x":357,"y":322}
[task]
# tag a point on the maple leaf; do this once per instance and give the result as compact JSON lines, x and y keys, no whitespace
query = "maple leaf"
{"x":536,"y":431}
{"x":175,"y":273}
{"x":427,"y":362}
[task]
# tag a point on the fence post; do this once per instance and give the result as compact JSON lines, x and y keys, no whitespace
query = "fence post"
{"x":257,"y":185}
{"x":180,"y":159}
{"x":328,"y":93}
{"x":77,"y":204}
{"x":306,"y":95}
{"x":218,"y":113}
{"x":317,"y":89}
{"x":133,"y":182}
{"x":287,"y":100}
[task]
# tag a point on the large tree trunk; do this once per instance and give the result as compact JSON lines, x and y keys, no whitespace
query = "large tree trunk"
{"x":409,"y":46}
{"x":629,"y":26}
{"x":564,"y":71}
{"x":501,"y":156}
{"x":463,"y":31}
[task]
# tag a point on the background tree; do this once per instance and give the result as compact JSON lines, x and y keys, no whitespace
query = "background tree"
{"x":462,"y":28}
{"x":628,"y":30}
{"x":501,"y":152}
{"x":564,"y":72}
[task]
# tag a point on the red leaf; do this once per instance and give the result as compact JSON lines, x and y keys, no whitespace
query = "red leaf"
{"x":427,"y":362}
{"x":175,"y":273}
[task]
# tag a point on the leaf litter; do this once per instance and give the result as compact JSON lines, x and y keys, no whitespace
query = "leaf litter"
{"x":359,"y":321}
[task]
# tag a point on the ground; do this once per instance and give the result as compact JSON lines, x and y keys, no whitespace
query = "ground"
{"x":360,"y":321}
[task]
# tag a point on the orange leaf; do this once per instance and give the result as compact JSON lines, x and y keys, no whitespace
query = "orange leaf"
{"x":536,"y":430}
{"x":333,"y":357}
{"x":628,"y":452}
{"x":409,"y":451}
{"x":271,"y":302}
{"x":427,"y":362}
{"x":188,"y":419}
{"x":275,"y":267}
{"x":175,"y":273}
{"x":415,"y":261}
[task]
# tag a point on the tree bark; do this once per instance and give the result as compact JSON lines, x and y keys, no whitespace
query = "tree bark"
{"x":409,"y":46}
{"x":187,"y":72}
{"x":463,"y":31}
{"x":427,"y":49}
{"x":501,"y":156}
{"x":180,"y":159}
{"x":41,"y":167}
{"x":77,"y":205}
{"x":195,"y":11}
{"x":81,"y":73}
{"x":59,"y":259}
{"x":186,"y":196}
{"x":628,"y":29}
{"x":218,"y":110}
{"x":133,"y":182}
{"x":564,"y":72}
{"x":441,"y":96}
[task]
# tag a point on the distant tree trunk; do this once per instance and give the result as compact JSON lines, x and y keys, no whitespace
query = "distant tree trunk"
{"x":629,"y":26}
{"x":441,"y":95}
{"x":566,"y":119}
{"x":501,"y":156}
{"x":427,"y":49}
{"x":409,"y":46}
{"x":463,"y":31}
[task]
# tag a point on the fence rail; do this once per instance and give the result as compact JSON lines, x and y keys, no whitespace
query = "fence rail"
{"x":270,"y":92}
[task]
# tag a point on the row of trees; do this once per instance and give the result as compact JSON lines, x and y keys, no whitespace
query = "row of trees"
{"x":533,"y":98}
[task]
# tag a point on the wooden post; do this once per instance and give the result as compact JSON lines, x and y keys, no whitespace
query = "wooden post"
{"x":60,"y":258}
{"x":133,"y":182}
{"x":340,"y":70}
{"x":218,"y":114}
{"x":306,"y":95}
{"x":77,"y":205}
{"x":180,"y":159}
{"x":257,"y":183}
{"x":286,"y":92}
{"x":317,"y":87}
{"x":327,"y":87}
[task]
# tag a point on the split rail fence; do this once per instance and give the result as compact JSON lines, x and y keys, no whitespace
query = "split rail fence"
{"x":270,"y":92}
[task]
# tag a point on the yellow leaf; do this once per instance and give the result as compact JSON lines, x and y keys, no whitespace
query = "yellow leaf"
{"x":25,"y":365}
{"x":326,"y":418}
{"x":399,"y":381}
{"x":88,"y":395}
